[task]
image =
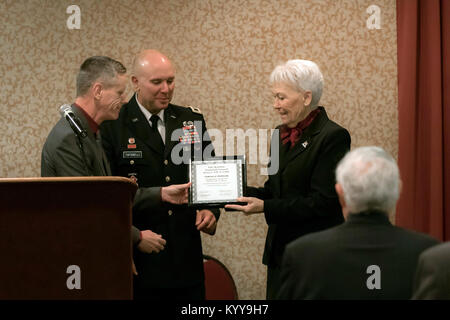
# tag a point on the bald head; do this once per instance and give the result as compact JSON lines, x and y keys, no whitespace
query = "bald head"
{"x":149,"y":59}
{"x":153,"y":78}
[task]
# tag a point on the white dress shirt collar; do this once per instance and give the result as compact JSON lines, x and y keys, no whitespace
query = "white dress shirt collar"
{"x":148,"y":114}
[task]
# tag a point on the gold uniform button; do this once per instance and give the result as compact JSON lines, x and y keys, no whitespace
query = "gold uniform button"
{"x":167,"y":179}
{"x":131,"y":161}
{"x":170,"y":212}
{"x":166,"y":162}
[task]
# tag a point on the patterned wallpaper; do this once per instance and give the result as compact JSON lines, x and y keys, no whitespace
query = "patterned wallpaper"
{"x":224,"y":52}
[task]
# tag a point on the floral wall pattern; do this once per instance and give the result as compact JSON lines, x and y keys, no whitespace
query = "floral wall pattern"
{"x":224,"y":52}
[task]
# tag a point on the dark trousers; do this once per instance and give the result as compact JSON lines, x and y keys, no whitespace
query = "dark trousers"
{"x":196,"y":292}
{"x":273,"y":282}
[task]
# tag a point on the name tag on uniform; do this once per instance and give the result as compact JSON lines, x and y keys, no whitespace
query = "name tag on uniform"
{"x":132,"y":154}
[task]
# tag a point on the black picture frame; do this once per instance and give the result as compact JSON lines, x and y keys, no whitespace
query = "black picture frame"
{"x":240,"y":162}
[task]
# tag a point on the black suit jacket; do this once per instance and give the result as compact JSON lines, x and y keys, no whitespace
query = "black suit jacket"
{"x":131,"y":147}
{"x":432,"y":280}
{"x":336,"y":263}
{"x":300,"y":198}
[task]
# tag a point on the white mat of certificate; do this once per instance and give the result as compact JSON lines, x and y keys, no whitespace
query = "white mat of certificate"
{"x":218,"y":181}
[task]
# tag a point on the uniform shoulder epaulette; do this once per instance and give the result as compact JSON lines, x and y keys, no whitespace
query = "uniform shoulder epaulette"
{"x":195,"y":109}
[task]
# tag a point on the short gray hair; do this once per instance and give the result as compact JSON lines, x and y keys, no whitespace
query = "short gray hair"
{"x":302,"y":75}
{"x":96,"y":68}
{"x":370,"y":179}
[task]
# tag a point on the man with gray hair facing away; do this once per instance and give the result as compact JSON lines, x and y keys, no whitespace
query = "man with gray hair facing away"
{"x":366,"y":257}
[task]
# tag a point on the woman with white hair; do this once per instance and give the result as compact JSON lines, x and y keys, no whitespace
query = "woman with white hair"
{"x":299,"y":198}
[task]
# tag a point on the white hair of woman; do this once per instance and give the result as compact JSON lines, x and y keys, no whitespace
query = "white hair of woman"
{"x":370,"y":180}
{"x":303,"y":75}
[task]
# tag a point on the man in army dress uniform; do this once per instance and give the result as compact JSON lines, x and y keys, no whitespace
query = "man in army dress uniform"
{"x":151,"y":140}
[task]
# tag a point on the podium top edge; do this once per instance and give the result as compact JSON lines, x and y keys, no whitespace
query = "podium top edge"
{"x":93,"y":180}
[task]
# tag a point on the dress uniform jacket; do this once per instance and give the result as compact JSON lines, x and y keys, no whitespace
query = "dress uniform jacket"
{"x":132,"y":149}
{"x":300,"y":197}
{"x":364,"y":258}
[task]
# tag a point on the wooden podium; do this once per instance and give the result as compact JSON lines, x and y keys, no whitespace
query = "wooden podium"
{"x":66,"y":238}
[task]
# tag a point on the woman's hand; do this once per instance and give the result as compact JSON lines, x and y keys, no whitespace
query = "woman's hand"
{"x":254,"y":205}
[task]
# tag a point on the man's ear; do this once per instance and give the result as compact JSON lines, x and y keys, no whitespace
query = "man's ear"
{"x":97,"y":89}
{"x":135,"y":82}
{"x":340,"y":193}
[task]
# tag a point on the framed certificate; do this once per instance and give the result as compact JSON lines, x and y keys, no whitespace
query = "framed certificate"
{"x":217,"y":181}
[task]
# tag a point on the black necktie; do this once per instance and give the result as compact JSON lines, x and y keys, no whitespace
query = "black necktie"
{"x":154,"y":120}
